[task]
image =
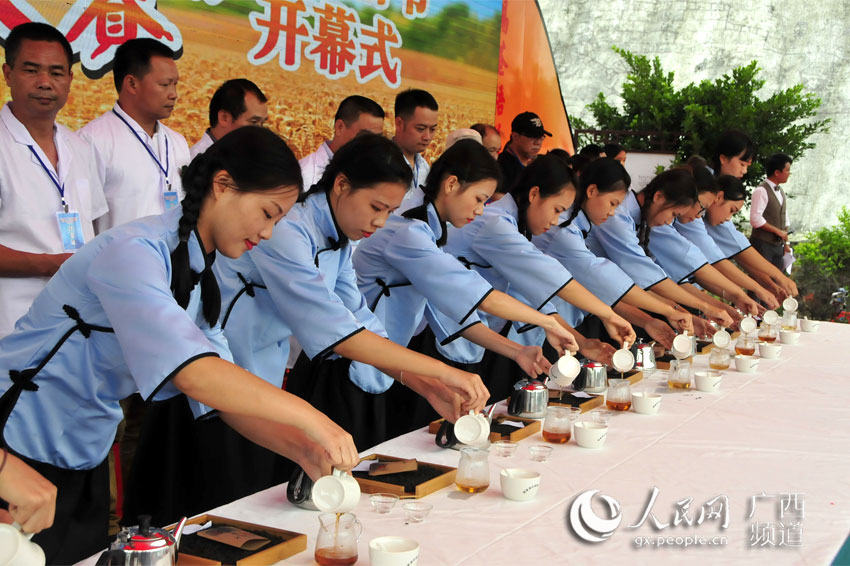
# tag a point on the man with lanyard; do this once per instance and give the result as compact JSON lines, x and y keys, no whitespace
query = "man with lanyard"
{"x":236,"y":103}
{"x":415,"y":123}
{"x":527,"y":134}
{"x":138,"y":158}
{"x":50,"y":192}
{"x":768,"y":211}
{"x":355,"y":114}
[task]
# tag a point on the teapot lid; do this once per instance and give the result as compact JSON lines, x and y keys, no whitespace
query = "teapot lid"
{"x":144,"y":537}
{"x":533,"y":385}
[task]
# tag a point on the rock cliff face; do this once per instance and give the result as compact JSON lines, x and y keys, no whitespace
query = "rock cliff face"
{"x":794,"y":42}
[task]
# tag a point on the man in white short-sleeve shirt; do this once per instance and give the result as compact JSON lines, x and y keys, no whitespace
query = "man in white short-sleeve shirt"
{"x":139,"y":158}
{"x":416,"y":118}
{"x":236,"y":103}
{"x":49,"y":188}
{"x":355,"y":114}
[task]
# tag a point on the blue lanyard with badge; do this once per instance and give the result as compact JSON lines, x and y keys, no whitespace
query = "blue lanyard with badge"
{"x":70,"y":227}
{"x":169,"y":197}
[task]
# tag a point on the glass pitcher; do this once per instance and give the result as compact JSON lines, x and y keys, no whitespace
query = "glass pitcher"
{"x":745,"y":346}
{"x":473,"y":470}
{"x":768,"y":333}
{"x":619,"y":397}
{"x":719,"y":358}
{"x":337,"y":539}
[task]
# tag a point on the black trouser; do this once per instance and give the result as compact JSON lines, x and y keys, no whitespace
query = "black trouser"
{"x":774,"y":253}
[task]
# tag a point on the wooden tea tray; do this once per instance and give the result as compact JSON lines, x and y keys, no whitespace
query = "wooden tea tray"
{"x":530,"y":427}
{"x":568,"y":399}
{"x":292,"y":544}
{"x":385,"y":484}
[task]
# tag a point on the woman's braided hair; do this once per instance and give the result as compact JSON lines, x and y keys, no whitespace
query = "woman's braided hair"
{"x":257,"y":160}
{"x":607,"y":174}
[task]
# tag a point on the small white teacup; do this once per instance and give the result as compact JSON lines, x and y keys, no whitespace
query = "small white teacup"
{"x":16,"y":548}
{"x":789,"y":336}
{"x":807,"y":325}
{"x":646,"y":403}
{"x":590,"y":434}
{"x":519,"y":485}
{"x":565,"y":370}
{"x":746,"y":364}
{"x":393,"y":551}
{"x":769,"y":351}
{"x":472,"y":429}
{"x":336,"y":493}
{"x":708,"y":381}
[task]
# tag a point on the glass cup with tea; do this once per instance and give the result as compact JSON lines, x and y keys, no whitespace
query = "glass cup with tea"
{"x":336,"y":543}
{"x":768,"y":333}
{"x":558,"y":426}
{"x":719,"y":358}
{"x":789,"y":320}
{"x":745,"y":346}
{"x":680,"y":374}
{"x":619,"y":397}
{"x":473,"y":470}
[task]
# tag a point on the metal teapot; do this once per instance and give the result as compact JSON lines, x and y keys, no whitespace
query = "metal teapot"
{"x":144,"y":545}
{"x":593,"y":378}
{"x":644,"y":356}
{"x":529,"y":399}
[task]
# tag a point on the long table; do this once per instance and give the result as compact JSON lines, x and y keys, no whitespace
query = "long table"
{"x":769,"y":455}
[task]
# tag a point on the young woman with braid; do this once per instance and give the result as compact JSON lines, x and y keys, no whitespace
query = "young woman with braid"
{"x":125,"y":314}
{"x":624,"y":238}
{"x":603,"y":186}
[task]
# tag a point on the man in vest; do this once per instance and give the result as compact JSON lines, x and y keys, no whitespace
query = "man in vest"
{"x":768,"y":211}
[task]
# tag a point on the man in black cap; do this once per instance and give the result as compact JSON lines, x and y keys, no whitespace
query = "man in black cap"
{"x":527,"y":134}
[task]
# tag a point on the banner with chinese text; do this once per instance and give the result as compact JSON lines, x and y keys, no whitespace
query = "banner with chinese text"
{"x":306,"y":55}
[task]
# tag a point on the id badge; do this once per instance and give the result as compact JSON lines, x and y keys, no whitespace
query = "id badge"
{"x":71,"y":230}
{"x":171,"y":199}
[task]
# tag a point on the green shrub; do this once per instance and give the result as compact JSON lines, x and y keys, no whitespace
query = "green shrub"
{"x":823,"y":265}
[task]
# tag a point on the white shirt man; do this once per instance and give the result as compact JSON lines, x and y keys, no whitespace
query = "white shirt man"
{"x":134,"y":182}
{"x":29,"y":201}
{"x":759,"y":202}
{"x":236,"y":103}
{"x":49,"y":190}
{"x":203,"y":144}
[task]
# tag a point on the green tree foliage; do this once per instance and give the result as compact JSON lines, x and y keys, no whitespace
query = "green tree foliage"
{"x":823,"y":265}
{"x":700,"y":112}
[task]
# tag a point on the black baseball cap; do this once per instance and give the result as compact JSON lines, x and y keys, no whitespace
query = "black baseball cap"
{"x":529,"y":124}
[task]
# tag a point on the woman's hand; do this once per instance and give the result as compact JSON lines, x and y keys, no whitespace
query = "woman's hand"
{"x":336,"y":443}
{"x":469,"y":386}
{"x":31,"y":498}
{"x":532,"y":361}
{"x":680,"y":320}
{"x":718,"y":315}
{"x":619,"y":329}
{"x":598,"y":351}
{"x":560,"y":338}
{"x":702,"y":327}
{"x":745,"y":304}
{"x":767,"y":298}
{"x":661,"y":332}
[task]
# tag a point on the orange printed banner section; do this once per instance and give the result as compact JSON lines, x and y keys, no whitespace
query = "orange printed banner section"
{"x":306,"y":55}
{"x":528,"y":79}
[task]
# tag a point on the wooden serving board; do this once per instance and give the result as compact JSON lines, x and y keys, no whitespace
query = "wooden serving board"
{"x":530,"y":426}
{"x":386,"y":484}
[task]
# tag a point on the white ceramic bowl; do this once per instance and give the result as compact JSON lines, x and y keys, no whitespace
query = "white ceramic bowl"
{"x":746,"y":364}
{"x":646,"y":403}
{"x":393,"y":551}
{"x":807,"y":325}
{"x":769,"y":350}
{"x":789,"y":336}
{"x":708,"y":381}
{"x":519,"y":485}
{"x":590,"y":434}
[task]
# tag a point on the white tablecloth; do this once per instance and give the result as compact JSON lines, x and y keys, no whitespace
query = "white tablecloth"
{"x":783,"y":430}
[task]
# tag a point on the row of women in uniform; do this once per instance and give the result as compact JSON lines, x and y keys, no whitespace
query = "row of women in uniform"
{"x":173,"y":307}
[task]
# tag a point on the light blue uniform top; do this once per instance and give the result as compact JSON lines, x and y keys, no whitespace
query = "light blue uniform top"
{"x":599,"y":274}
{"x":675,"y":253}
{"x":299,"y":282}
{"x":498,"y":247}
{"x":121,"y":280}
{"x":728,"y":239}
{"x":696,"y":233}
{"x":617,"y":240}
{"x":406,"y":276}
